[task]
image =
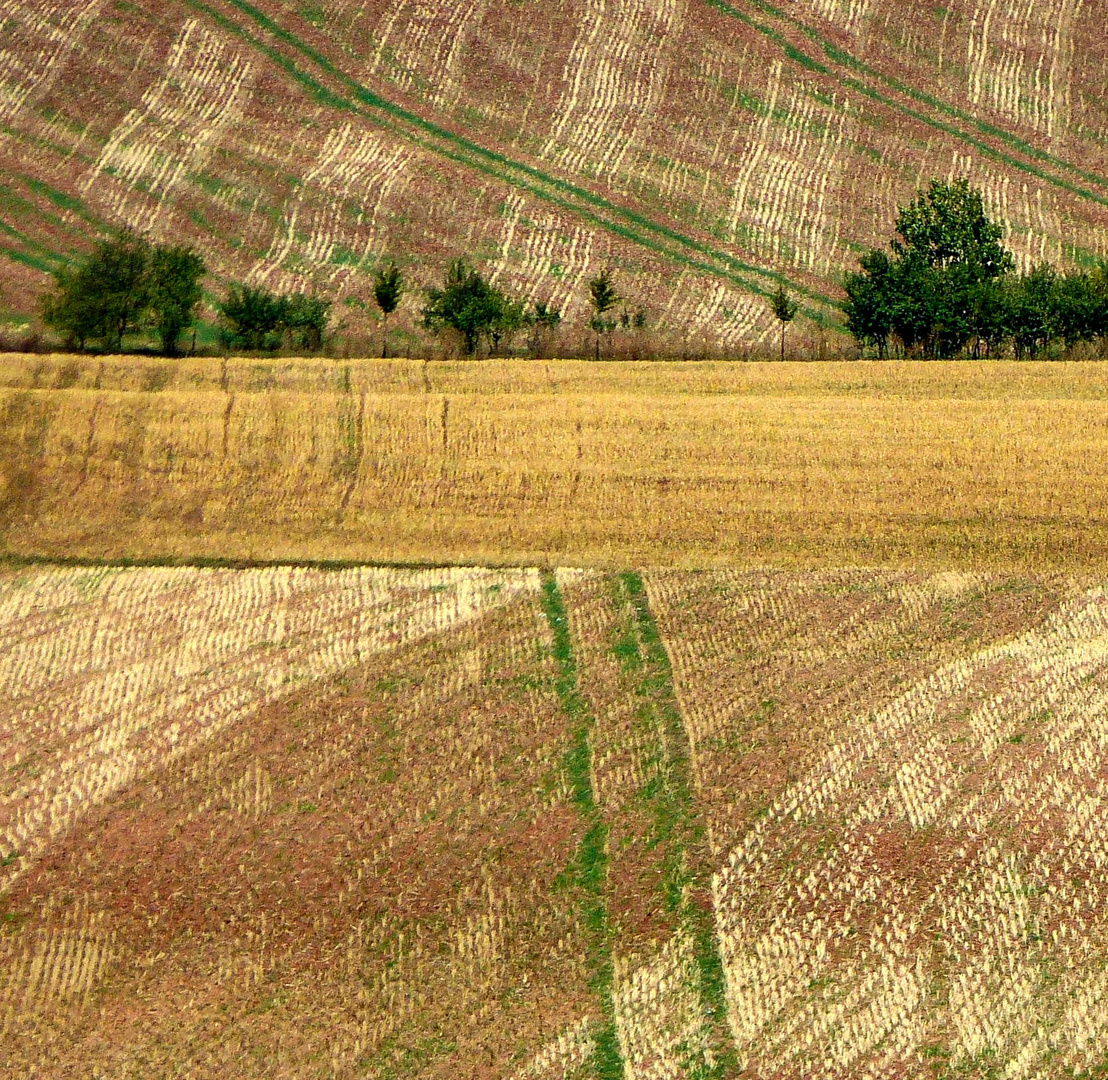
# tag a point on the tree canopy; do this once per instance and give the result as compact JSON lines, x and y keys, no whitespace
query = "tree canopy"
{"x":125,"y":286}
{"x":942,"y":285}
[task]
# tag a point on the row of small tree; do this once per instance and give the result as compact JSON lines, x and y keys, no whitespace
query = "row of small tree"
{"x":946,"y":287}
{"x":949,"y":287}
{"x":469,"y":304}
{"x":129,"y":286}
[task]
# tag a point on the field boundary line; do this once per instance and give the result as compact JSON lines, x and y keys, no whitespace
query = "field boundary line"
{"x":686,"y":873}
{"x":589,"y":866}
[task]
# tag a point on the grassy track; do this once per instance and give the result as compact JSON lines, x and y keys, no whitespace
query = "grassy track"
{"x":686,"y":873}
{"x":589,"y":870}
{"x":628,"y":224}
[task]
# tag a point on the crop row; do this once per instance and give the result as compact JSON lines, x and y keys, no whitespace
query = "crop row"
{"x":536,"y":247}
{"x":779,"y":204}
{"x":351,"y":169}
{"x":614,"y":76}
{"x":1018,"y":58}
{"x":794,"y":916}
{"x":47,"y":36}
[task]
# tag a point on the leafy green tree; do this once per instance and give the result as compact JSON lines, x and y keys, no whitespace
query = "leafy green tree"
{"x":871,"y":298}
{"x":543,"y":319}
{"x":252,"y":318}
{"x":107,"y":296}
{"x":1033,"y":311}
{"x":74,"y":307}
{"x":511,"y":317}
{"x":932,"y":292}
{"x":175,"y":293}
{"x":946,"y":226}
{"x":466,"y":303}
{"x":304,"y":319}
{"x":785,"y":309}
{"x":122,"y":267}
{"x":604,"y":296}
{"x":388,"y":288}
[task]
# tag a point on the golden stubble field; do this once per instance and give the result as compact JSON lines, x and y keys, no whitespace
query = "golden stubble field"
{"x":556,"y":463}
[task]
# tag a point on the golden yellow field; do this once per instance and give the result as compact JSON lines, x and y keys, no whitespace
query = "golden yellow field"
{"x":564,"y":463}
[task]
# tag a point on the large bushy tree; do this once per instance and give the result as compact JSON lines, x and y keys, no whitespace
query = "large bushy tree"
{"x":467,"y":303}
{"x":934,"y":292}
{"x":125,"y":286}
{"x":175,"y":293}
{"x":255,"y":318}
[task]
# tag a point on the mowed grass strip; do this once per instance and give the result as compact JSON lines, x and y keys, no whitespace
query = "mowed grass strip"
{"x":561,"y":463}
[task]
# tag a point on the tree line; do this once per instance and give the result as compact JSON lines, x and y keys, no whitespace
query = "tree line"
{"x":948,"y":287}
{"x":129,"y":286}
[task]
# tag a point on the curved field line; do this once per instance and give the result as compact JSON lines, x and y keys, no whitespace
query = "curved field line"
{"x":839,"y":56}
{"x":631,"y":225}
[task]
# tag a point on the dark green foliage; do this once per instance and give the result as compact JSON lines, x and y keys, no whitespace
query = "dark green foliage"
{"x":1032,"y":313}
{"x":105,"y":298}
{"x":304,"y":319}
{"x":470,"y":305}
{"x":260,"y":319}
{"x":175,"y":293}
{"x":125,"y":286}
{"x":937,"y":292}
{"x":466,"y":303}
{"x":251,"y":317}
{"x":870,"y":306}
{"x":603,"y":296}
{"x":388,"y":288}
{"x":784,"y":308}
{"x":945,"y":226}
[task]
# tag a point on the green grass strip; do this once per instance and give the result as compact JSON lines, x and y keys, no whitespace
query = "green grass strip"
{"x":843,"y":58}
{"x":589,"y":868}
{"x":627,"y":223}
{"x":685,"y":870}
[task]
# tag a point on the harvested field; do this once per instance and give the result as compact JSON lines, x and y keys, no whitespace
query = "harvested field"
{"x":504,"y":823}
{"x":951,"y":466}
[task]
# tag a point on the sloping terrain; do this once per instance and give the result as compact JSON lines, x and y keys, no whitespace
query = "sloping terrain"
{"x":707,"y":150}
{"x":518,"y":824}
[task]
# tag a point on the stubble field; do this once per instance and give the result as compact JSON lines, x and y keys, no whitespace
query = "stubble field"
{"x":795,"y":813}
{"x":556,"y":463}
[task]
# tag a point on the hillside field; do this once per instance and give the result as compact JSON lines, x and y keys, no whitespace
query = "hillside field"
{"x":948,"y":466}
{"x":528,"y":823}
{"x":707,"y":150}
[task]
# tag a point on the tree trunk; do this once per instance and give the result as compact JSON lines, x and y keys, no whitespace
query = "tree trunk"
{"x":782,"y":341}
{"x":385,"y":338}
